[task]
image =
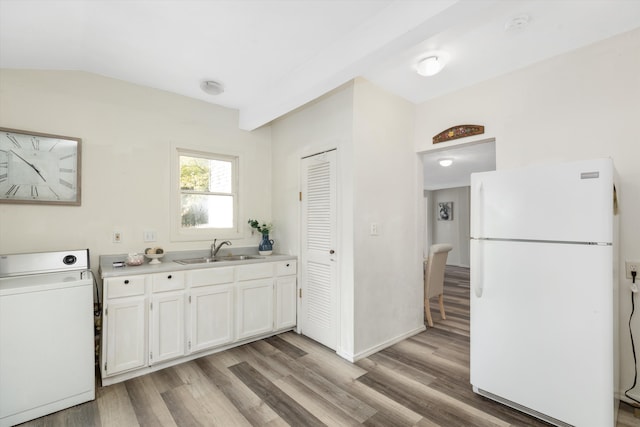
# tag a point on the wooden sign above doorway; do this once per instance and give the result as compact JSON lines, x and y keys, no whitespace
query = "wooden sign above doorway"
{"x":456,"y":132}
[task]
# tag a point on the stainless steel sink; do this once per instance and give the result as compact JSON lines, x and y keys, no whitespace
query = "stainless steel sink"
{"x":237,"y":257}
{"x":204,"y":260}
{"x":195,"y":261}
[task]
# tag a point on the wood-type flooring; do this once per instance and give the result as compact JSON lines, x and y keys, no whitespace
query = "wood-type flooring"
{"x":291,"y":380}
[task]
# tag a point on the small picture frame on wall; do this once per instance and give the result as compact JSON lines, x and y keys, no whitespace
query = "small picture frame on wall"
{"x":445,"y":211}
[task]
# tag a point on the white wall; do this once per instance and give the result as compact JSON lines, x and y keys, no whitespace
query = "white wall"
{"x":576,"y":106}
{"x":126,"y":132}
{"x":455,"y":232}
{"x":388,"y":189}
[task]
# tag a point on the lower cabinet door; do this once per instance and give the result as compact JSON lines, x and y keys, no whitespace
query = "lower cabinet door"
{"x":254,"y":308}
{"x":167,"y":326}
{"x":211,"y":316}
{"x":126,"y":331}
{"x":285,"y":302}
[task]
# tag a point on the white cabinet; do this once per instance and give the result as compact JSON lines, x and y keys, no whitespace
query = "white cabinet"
{"x":286,"y":303}
{"x":254,"y":309}
{"x":167,"y":327}
{"x":166,"y":332}
{"x":125,"y":325}
{"x":211,"y":307}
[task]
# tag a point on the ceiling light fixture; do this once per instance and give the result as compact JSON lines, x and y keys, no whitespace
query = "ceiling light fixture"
{"x":445,"y":162}
{"x":211,"y":87}
{"x":430,"y":66}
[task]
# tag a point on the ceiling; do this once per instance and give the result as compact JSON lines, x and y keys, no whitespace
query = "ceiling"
{"x":274,"y":56}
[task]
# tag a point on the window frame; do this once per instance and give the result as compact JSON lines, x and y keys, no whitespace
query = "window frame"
{"x":179,"y":233}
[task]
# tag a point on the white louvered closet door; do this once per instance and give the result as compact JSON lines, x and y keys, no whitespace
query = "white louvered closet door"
{"x":319,"y":308}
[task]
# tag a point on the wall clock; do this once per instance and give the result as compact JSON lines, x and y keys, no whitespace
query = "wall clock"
{"x":39,"y":168}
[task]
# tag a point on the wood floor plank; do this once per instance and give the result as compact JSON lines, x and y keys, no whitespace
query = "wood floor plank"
{"x":280,"y":402}
{"x":242,"y":397}
{"x":180,"y":404}
{"x":147,"y":403}
{"x":286,"y":347}
{"x":391,"y":409}
{"x":115,"y":406}
{"x":261,"y":362}
{"x":323,"y":409}
{"x":166,"y":379}
{"x":371,"y":362}
{"x":335,"y":369}
{"x":334,"y":393}
{"x":218,"y":408}
{"x":428,"y":402}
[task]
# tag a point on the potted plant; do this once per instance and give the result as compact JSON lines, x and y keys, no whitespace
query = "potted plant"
{"x":266,"y":246}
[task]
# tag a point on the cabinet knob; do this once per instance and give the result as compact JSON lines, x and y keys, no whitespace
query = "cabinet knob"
{"x":288,"y":265}
{"x":332,"y":252}
{"x":169,"y":277}
{"x":126,"y":282}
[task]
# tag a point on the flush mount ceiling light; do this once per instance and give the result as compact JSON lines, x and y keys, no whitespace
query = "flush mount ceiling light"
{"x":430,"y":66}
{"x":212,"y":87}
{"x":445,"y":162}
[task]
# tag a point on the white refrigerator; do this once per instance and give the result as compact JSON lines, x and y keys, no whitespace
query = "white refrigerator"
{"x":544,"y":291}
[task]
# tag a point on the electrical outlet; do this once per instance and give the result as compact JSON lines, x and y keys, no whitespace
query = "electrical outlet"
{"x":630,"y":266}
{"x":117,"y":237}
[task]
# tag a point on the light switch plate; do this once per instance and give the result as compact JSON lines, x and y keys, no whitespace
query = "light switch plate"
{"x":149,"y":236}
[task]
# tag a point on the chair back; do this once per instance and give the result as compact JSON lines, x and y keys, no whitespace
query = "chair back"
{"x":434,"y":269}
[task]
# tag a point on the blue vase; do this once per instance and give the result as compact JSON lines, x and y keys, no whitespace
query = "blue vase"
{"x":265,"y":245}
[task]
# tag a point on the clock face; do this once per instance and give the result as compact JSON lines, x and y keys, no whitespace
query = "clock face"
{"x":39,"y":168}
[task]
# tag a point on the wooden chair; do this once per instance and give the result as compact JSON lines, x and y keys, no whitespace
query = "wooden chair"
{"x":434,"y":267}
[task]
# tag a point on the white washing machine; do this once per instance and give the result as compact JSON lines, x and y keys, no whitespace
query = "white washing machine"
{"x":46,"y":334}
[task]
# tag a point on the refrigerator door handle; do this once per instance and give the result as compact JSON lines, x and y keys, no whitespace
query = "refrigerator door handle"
{"x":477,"y":262}
{"x":477,"y":281}
{"x":479,"y":209}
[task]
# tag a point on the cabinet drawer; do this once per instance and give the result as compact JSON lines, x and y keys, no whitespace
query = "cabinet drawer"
{"x":118,"y":287}
{"x":255,"y":271}
{"x":286,"y":268}
{"x":212,"y":276}
{"x":169,"y":281}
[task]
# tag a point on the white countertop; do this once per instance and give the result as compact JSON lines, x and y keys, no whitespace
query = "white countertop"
{"x":167,"y":263}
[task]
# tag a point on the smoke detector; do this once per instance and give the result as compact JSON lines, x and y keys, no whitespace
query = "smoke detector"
{"x":517,"y":23}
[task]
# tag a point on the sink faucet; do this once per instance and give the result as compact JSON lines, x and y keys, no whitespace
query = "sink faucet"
{"x":215,"y":249}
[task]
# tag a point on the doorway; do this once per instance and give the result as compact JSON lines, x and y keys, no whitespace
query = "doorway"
{"x":450,"y":186}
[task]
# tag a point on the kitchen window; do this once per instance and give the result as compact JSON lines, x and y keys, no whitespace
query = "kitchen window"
{"x":206,"y":203}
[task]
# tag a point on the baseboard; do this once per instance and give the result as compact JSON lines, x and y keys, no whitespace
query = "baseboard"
{"x":368,"y":352}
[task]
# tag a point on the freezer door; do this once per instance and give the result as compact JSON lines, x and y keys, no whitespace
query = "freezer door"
{"x":542,"y":328}
{"x":570,"y":202}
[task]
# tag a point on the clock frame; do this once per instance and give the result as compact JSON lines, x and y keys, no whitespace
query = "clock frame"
{"x":39,"y":168}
